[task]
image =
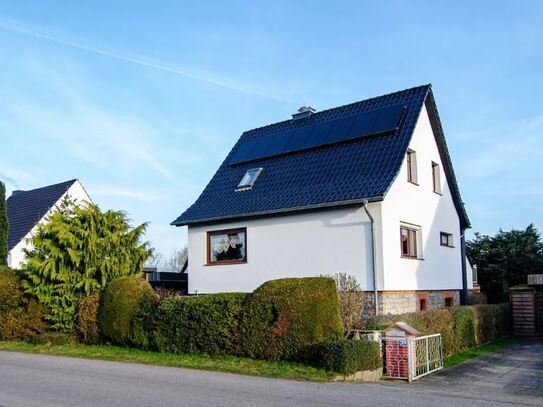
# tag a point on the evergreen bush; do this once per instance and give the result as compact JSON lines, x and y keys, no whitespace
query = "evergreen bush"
{"x":126,"y":310}
{"x":347,"y":356}
{"x":86,"y":324}
{"x":282,"y":318}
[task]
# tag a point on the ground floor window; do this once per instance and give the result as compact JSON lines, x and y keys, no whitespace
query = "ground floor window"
{"x":449,"y":301}
{"x":227,"y":246}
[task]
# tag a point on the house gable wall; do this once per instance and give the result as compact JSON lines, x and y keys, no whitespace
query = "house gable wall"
{"x":440,"y":267}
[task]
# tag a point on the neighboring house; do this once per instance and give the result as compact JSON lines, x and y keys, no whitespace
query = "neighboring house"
{"x":28,"y":208}
{"x":366,"y":189}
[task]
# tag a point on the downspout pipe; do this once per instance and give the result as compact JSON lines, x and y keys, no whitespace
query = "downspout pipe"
{"x":374,"y":272}
{"x":464,"y":296}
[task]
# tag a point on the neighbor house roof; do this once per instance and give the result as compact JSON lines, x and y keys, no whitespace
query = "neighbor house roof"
{"x":26,"y":208}
{"x":350,"y":170}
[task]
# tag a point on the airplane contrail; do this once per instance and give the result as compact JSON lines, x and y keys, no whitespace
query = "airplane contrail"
{"x":32,"y":32}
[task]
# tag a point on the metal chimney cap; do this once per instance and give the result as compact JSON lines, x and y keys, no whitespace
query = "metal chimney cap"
{"x":304,"y":111}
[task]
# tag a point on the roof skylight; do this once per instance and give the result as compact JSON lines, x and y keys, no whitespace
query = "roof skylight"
{"x":249,"y":179}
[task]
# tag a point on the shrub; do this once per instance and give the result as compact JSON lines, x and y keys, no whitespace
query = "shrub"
{"x":86,"y":324}
{"x":350,"y":300}
{"x":125,"y":308}
{"x":20,"y":318}
{"x":464,"y":329}
{"x":11,"y":290}
{"x":348,"y":356}
{"x":460,"y":327}
{"x":24,"y":322}
{"x":207,"y":323}
{"x":282,"y":318}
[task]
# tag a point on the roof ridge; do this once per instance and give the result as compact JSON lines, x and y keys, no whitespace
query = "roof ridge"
{"x":321,"y":112}
{"x":71,"y":181}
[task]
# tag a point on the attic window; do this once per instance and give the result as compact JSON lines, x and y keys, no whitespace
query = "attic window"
{"x":249,"y":179}
{"x":412,"y":167}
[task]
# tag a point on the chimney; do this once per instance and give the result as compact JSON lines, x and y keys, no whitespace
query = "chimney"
{"x":303,"y":112}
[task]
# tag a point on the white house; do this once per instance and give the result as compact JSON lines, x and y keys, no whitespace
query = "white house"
{"x":26,"y":209}
{"x":366,"y":189}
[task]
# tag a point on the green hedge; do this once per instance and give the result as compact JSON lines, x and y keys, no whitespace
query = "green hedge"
{"x":347,"y":356}
{"x":21,"y":318}
{"x":461,"y":328}
{"x":126,"y":311}
{"x":207,"y":323}
{"x":282,"y":318}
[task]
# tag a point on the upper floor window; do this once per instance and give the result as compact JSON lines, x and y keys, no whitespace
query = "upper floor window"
{"x":409,"y":244}
{"x":412,"y":166}
{"x":436,"y":178}
{"x":227,"y":246}
{"x":446,"y":239}
{"x":249,"y":178}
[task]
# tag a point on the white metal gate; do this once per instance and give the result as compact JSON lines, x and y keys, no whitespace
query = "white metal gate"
{"x":411,"y":358}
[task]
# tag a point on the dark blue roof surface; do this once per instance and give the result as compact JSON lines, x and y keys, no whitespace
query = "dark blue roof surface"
{"x":26,"y":208}
{"x":330,"y":175}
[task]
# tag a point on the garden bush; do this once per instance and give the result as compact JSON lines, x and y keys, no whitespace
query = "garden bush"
{"x":461,"y":328}
{"x":347,"y":356}
{"x":206,"y":323}
{"x":126,"y":311}
{"x":86,"y":324}
{"x":11,"y":290}
{"x":20,"y":318}
{"x":465,"y":327}
{"x":282,"y":318}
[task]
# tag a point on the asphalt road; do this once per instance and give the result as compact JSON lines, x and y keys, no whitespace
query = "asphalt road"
{"x":35,"y":380}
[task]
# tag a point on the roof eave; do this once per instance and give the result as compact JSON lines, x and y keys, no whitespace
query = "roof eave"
{"x":327,"y":205}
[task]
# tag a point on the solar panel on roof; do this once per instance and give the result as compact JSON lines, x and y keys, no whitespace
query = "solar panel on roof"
{"x":299,"y":138}
{"x":260,"y":148}
{"x":362,"y":125}
{"x":243,"y":150}
{"x":388,"y":119}
{"x":318,"y":135}
{"x":340,"y":130}
{"x":279,"y":143}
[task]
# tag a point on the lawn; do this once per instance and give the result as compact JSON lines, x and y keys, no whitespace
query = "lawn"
{"x":480,"y":351}
{"x":229,"y":364}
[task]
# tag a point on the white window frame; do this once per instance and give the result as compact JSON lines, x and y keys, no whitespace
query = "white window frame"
{"x":436,"y":178}
{"x":411,"y":161}
{"x":418,"y":240}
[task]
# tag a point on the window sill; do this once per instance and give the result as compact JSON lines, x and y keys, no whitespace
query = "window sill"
{"x":446,"y":245}
{"x":413,"y":182}
{"x":412,"y":258}
{"x":438,"y":193}
{"x":226,"y":263}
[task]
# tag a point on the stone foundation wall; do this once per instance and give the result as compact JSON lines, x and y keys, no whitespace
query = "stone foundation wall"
{"x":403,"y":302}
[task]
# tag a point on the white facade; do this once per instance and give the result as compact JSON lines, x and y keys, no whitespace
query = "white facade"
{"x":16,"y":256}
{"x":338,"y":240}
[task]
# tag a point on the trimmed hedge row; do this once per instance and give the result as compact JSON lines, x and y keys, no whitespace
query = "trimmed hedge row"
{"x":347,"y":356}
{"x":207,"y":323}
{"x":282,"y":318}
{"x":461,"y":328}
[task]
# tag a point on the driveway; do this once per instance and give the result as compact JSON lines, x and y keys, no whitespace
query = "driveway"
{"x":35,"y":380}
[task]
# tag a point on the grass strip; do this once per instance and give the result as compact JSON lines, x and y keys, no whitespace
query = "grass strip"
{"x":228,"y":364}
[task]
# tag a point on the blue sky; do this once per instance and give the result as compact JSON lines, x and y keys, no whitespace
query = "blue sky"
{"x":142,"y":101}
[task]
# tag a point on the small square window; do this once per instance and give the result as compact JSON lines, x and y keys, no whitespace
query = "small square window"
{"x":436,"y":177}
{"x":449,"y":302}
{"x":446,"y":239}
{"x":249,"y":179}
{"x":412,"y":166}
